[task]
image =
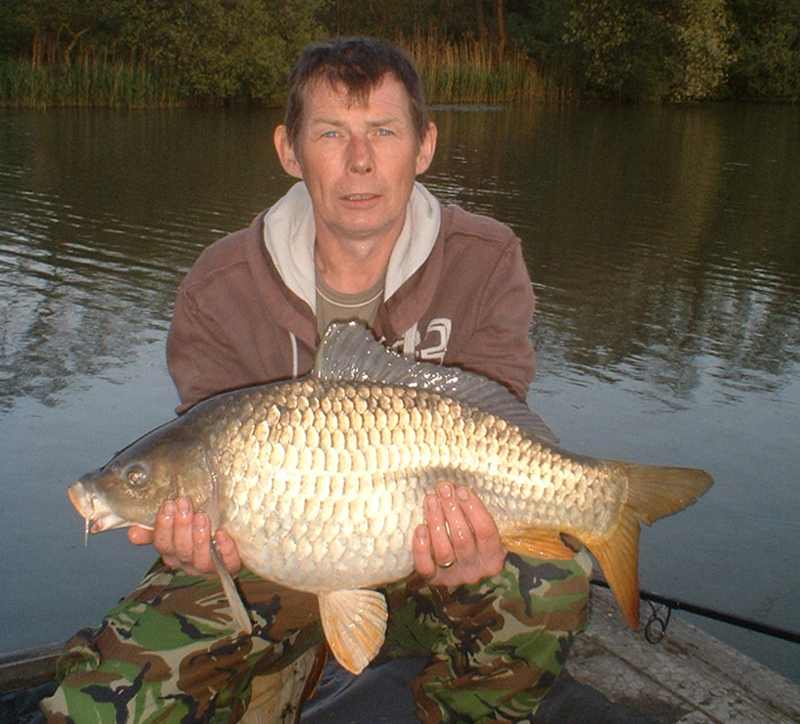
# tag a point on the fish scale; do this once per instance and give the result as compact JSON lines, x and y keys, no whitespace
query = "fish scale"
{"x":321,"y":481}
{"x":318,"y":448}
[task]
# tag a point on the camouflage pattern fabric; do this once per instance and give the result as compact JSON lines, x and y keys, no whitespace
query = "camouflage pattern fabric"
{"x":497,"y":646}
{"x":170,"y":653}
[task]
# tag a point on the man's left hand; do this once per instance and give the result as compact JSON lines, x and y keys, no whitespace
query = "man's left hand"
{"x":459,"y":542}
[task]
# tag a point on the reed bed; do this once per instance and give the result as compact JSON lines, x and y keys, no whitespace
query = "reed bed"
{"x":468,"y":71}
{"x":96,"y":82}
{"x":463,"y":71}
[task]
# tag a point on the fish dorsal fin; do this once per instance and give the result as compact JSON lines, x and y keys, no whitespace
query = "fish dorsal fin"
{"x":355,"y":626}
{"x":349,"y":353}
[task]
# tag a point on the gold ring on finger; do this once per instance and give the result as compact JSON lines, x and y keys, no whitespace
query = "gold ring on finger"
{"x":448,"y":564}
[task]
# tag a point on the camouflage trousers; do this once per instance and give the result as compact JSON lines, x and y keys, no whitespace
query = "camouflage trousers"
{"x":169,"y":651}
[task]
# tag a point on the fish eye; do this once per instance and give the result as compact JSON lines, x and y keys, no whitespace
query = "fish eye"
{"x":136,"y":475}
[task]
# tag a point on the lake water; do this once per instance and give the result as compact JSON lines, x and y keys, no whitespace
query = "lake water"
{"x":664,"y":246}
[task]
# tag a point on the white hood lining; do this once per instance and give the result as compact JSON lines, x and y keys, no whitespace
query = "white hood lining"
{"x":290,"y":232}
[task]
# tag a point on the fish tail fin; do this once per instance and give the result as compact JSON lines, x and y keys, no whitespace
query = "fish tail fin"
{"x":618,"y":557}
{"x":653,"y":492}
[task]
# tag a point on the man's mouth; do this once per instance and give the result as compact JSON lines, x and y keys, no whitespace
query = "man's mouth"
{"x":359,"y":197}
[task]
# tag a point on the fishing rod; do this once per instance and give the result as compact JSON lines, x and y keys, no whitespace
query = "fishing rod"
{"x":656,"y":626}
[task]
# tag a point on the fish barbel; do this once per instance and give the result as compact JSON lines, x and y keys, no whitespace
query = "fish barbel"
{"x":320,"y":481}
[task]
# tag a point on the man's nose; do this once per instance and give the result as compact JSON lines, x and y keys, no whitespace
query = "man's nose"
{"x":360,"y":158}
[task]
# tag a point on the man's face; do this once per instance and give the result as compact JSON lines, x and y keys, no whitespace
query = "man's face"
{"x":358,"y":160}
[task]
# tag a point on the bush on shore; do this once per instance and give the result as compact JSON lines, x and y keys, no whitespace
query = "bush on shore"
{"x":131,"y":53}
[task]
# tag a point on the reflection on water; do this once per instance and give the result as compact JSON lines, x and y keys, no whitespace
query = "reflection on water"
{"x":663,"y":245}
{"x":101,"y":216}
{"x":659,"y":240}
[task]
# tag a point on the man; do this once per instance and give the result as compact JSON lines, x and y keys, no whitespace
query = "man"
{"x":358,"y":237}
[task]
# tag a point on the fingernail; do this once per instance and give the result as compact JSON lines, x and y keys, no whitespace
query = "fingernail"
{"x":199,"y":522}
{"x":446,"y":490}
{"x":168,"y":509}
{"x":462,"y":492}
{"x":183,"y":507}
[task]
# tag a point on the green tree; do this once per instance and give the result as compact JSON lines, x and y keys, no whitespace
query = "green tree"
{"x":651,"y":49}
{"x":51,"y":30}
{"x":621,"y":46}
{"x":14,"y":36}
{"x":703,"y":51}
{"x":213,"y":50}
{"x":222,"y":50}
{"x":767,"y":42}
{"x":538,"y":27}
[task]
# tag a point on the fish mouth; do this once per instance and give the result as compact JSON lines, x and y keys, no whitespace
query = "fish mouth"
{"x":99,"y":517}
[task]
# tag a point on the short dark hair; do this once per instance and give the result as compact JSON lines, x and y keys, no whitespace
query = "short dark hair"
{"x":358,"y":64}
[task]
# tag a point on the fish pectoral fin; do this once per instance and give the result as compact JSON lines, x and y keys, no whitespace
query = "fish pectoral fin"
{"x":238,"y":610}
{"x":536,"y":542}
{"x":355,"y":625}
{"x":618,"y":556}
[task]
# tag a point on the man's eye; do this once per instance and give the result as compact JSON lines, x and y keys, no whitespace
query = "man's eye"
{"x":330,"y":134}
{"x":385,"y":132}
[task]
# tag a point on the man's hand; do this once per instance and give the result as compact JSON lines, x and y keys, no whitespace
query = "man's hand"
{"x":183,"y":538}
{"x":460,"y":542}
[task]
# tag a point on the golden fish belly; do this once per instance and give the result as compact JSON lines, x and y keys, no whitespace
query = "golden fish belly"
{"x":322,"y":485}
{"x":329,"y":532}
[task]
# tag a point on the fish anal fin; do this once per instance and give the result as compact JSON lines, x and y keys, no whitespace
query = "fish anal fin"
{"x":238,"y":611}
{"x":536,"y":542}
{"x":355,"y":626}
{"x":618,"y":557}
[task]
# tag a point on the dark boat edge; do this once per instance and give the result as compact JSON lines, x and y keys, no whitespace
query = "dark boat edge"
{"x":27,"y":668}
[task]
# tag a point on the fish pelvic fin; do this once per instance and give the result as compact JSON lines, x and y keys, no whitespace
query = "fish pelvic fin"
{"x":355,"y":626}
{"x":536,"y":542}
{"x":653,"y":492}
{"x":238,"y":611}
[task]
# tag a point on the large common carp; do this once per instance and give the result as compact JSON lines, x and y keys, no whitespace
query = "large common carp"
{"x":320,"y":481}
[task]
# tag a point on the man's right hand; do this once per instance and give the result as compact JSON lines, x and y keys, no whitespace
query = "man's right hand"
{"x":183,"y":538}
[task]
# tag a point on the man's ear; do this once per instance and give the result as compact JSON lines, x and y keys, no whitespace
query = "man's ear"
{"x":286,"y":153}
{"x":427,"y":148}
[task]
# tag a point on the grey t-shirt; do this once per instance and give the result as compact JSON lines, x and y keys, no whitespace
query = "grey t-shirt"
{"x":333,"y":306}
